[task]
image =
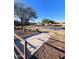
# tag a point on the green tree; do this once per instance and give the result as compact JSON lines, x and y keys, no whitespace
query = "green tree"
{"x":51,"y":21}
{"x":44,"y":21}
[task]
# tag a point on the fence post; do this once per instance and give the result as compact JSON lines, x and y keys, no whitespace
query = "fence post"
{"x":25,"y":50}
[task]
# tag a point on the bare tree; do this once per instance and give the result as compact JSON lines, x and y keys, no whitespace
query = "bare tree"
{"x":24,"y":12}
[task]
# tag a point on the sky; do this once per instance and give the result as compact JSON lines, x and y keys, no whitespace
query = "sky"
{"x":50,"y":9}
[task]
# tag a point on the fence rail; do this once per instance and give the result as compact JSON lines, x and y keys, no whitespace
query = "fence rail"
{"x":24,"y":55}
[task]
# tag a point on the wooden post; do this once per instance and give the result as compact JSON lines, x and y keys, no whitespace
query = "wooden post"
{"x":25,"y":50}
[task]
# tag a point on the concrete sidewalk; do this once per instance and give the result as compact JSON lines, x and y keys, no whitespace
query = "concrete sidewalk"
{"x":37,"y":41}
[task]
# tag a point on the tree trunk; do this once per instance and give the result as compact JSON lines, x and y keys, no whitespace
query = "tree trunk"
{"x":22,"y":23}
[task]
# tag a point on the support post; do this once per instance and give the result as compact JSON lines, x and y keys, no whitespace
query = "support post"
{"x":25,"y":50}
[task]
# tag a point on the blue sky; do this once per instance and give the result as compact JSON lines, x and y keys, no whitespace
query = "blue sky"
{"x":50,"y":9}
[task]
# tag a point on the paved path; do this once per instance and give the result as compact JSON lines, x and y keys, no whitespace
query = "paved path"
{"x":37,"y":41}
